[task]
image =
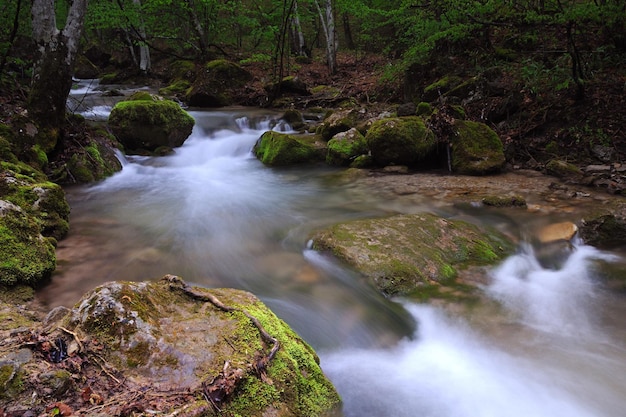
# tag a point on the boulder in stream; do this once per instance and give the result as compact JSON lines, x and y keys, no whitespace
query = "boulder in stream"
{"x":149,"y":124}
{"x":413,"y":254}
{"x":129,"y":347}
{"x":281,"y":149}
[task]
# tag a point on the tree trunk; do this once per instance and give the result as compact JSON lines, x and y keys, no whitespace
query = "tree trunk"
{"x":54,"y":64}
{"x":144,"y":50}
{"x":299,"y":46}
{"x":327,"y":20}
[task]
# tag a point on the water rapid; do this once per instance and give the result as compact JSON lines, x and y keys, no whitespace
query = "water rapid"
{"x":213,"y":214}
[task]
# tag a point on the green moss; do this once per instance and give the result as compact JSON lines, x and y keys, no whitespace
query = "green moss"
{"x":109,"y":78}
{"x":178,"y":87}
{"x":424,"y":109}
{"x":400,"y":141}
{"x":141,"y":95}
{"x":11,"y":382}
{"x":280,"y":149}
{"x":25,"y":257}
{"x":432,"y":91}
{"x":344,"y":149}
{"x":148,"y":124}
{"x":407,"y":253}
{"x":563,"y":169}
{"x":477,"y":149}
{"x":295,"y":373}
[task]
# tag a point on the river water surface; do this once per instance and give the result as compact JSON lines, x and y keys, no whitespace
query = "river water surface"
{"x":214,"y":215}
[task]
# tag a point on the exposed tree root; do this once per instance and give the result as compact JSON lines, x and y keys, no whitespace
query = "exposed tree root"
{"x":223,"y":385}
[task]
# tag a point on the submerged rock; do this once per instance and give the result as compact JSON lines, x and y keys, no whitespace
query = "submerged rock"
{"x":173,"y":348}
{"x":413,"y":254}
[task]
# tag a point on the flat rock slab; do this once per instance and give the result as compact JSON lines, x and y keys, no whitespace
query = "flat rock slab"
{"x":406,"y":254}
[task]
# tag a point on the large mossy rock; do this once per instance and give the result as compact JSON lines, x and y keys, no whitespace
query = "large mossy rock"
{"x":187,"y":350}
{"x":414,"y":254}
{"x":400,"y":141}
{"x":33,"y":216}
{"x":217,"y":84}
{"x":345,"y":147}
{"x":281,"y":149}
{"x":476,"y":149}
{"x":149,"y":124}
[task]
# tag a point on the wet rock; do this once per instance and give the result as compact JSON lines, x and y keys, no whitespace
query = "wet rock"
{"x":564,"y":231}
{"x":345,"y":147}
{"x":180,"y":347}
{"x":504,"y":201}
{"x":336,"y":122}
{"x":412,"y":254}
{"x":604,"y":230}
{"x":281,"y":149}
{"x":148,"y":124}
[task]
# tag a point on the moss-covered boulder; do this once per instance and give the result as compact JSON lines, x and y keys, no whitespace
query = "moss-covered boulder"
{"x":345,"y":147}
{"x":476,"y":149}
{"x":400,"y":141}
{"x":190,"y":350}
{"x":281,"y":149}
{"x":26,"y":256}
{"x":148,"y":124}
{"x":336,"y":122}
{"x":416,"y":255}
{"x":33,"y":216}
{"x":217,"y":84}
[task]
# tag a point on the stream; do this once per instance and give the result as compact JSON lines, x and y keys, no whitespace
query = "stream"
{"x":214,"y":215}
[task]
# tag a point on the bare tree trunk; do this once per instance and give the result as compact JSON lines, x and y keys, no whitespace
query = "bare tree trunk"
{"x":298,"y":36}
{"x":197,"y":25}
{"x":54,"y":64}
{"x":327,"y":20}
{"x":144,"y":51}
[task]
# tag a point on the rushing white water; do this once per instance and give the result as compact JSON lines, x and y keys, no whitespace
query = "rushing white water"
{"x":213,"y":214}
{"x":449,"y":369}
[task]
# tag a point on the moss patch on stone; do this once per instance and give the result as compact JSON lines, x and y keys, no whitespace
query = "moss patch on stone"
{"x":158,"y":336}
{"x":476,"y":149}
{"x":280,"y":149}
{"x":400,"y":141}
{"x":147,"y":124}
{"x":408,"y":254}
